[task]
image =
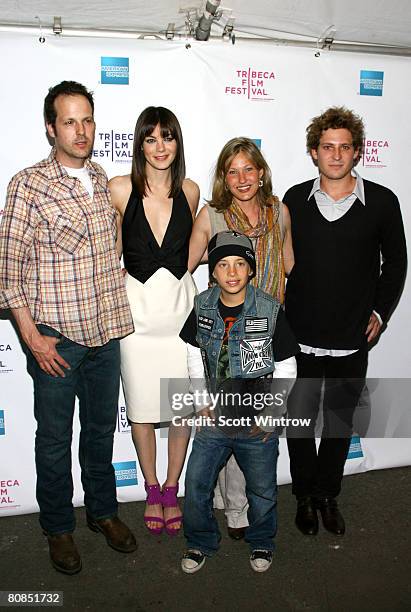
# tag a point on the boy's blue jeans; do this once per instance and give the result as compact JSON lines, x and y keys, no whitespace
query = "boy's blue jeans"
{"x":258,"y":461}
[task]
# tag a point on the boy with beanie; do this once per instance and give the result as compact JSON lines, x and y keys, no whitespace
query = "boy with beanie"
{"x":238,"y":339}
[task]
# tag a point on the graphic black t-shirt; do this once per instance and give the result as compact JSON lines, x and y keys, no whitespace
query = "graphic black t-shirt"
{"x":229,"y":314}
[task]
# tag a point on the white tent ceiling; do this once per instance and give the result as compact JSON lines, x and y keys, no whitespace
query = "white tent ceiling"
{"x":373,"y":22}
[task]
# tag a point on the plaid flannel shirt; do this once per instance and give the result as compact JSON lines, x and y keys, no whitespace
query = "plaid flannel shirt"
{"x":58,"y":255}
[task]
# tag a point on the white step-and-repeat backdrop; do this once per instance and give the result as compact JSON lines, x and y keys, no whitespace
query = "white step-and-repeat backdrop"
{"x":218,"y":91}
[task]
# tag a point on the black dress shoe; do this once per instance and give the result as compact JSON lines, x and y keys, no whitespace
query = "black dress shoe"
{"x":331,"y":516}
{"x":306,"y":518}
{"x":236,"y":533}
{"x":117,"y":534}
{"x":64,"y":554}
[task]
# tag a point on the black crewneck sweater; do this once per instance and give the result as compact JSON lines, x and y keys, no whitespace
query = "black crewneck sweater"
{"x":338,"y":279}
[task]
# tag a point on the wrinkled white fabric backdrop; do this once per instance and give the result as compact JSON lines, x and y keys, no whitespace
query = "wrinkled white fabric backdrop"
{"x":218,"y":91}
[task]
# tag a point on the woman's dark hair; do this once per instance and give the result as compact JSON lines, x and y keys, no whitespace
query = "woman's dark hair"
{"x":169,"y":126}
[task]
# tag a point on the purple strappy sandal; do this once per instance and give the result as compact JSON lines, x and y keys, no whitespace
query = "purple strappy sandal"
{"x":170,"y":501}
{"x":154,"y":497}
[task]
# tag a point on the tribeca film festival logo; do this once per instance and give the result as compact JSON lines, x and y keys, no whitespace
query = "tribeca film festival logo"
{"x":374,"y":153}
{"x":7,"y":492}
{"x":123,"y":425}
{"x":114,"y":71}
{"x":126,"y":473}
{"x":2,"y":424}
{"x":114,"y":146}
{"x":252,"y":84}
{"x":371,"y":83}
{"x":4,"y":349}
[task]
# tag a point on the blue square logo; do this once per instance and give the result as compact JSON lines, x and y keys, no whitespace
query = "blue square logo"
{"x":114,"y":70}
{"x":355,"y":450}
{"x":126,"y":473}
{"x":371,"y":83}
{"x":2,"y":426}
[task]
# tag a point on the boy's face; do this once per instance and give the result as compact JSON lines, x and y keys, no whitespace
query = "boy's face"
{"x":232,"y":274}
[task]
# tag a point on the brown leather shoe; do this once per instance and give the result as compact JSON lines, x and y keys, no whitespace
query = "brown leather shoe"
{"x":236,"y":533}
{"x":63,"y":553}
{"x":117,"y":534}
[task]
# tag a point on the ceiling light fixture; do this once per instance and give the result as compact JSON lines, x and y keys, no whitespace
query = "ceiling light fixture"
{"x":211,"y":14}
{"x":57,"y":29}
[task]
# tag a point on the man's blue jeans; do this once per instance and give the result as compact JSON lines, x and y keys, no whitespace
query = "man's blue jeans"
{"x":94,"y":378}
{"x":258,"y":461}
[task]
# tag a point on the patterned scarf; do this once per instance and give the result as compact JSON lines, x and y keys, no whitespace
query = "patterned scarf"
{"x":267,"y":240}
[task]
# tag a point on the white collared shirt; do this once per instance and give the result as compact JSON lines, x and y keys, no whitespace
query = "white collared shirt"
{"x":335,"y":209}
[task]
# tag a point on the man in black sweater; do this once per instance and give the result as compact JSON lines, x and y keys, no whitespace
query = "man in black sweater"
{"x":350,"y":265}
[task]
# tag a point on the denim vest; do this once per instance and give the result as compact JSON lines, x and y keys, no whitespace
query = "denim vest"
{"x":250,"y":347}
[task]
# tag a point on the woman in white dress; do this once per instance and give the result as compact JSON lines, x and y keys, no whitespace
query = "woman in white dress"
{"x":156,"y":206}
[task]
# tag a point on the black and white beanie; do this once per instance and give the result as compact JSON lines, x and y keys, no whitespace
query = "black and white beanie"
{"x":225,"y":244}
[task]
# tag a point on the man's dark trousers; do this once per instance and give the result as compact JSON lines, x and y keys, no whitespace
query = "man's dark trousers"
{"x":320,"y":475}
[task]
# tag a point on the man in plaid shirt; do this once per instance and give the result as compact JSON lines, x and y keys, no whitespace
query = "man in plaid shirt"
{"x":61,"y":278}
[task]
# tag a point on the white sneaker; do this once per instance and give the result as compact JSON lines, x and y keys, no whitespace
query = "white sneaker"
{"x":192,"y":561}
{"x":260,"y":560}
